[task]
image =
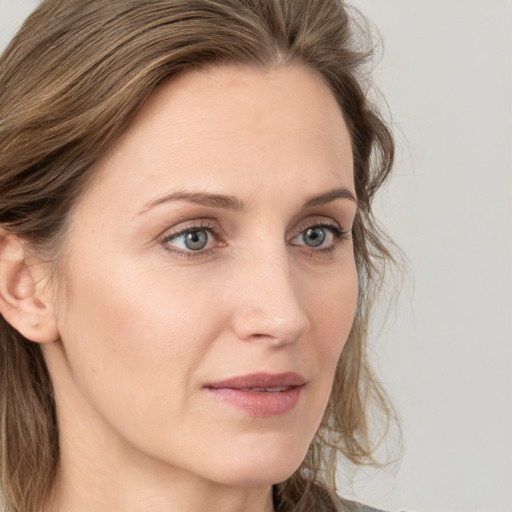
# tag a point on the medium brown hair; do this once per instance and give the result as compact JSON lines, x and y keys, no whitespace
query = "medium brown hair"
{"x":70,"y":81}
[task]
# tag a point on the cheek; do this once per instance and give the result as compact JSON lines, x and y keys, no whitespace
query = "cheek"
{"x":135,"y":330}
{"x":333,"y":310}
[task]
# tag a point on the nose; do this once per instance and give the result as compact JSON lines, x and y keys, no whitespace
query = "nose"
{"x":268,"y":307}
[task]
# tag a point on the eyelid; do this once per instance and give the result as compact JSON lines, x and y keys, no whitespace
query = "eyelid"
{"x":318,"y":221}
{"x":336,"y":231}
{"x":189,"y":227}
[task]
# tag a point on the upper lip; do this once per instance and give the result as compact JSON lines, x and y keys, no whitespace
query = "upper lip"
{"x":260,"y":381}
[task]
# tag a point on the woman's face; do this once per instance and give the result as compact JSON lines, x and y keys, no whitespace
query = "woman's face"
{"x":209,"y":282}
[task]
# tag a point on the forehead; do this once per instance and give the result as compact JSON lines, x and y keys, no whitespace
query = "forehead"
{"x":238,"y":125}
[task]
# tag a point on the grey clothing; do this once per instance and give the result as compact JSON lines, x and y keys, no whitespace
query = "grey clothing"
{"x":352,"y":506}
{"x":320,"y":499}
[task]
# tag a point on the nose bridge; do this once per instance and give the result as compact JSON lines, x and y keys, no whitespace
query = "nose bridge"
{"x":269,"y":306}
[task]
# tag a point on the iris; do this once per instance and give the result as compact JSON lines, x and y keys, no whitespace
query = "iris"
{"x":314,"y":237}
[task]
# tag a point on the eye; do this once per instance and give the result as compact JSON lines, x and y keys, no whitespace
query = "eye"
{"x":190,"y":240}
{"x":320,"y":237}
{"x":315,"y":237}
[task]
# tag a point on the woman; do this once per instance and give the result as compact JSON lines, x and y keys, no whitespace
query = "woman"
{"x":187,"y":255}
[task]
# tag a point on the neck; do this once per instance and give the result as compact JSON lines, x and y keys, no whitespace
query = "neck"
{"x":99,"y":476}
{"x":133,"y":491}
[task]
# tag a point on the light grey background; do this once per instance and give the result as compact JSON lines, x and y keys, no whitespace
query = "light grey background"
{"x":447,"y":76}
{"x":446,"y":355}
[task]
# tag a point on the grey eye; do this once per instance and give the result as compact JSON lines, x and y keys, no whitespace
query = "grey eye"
{"x":314,"y":237}
{"x":196,"y":240}
{"x":318,"y":237}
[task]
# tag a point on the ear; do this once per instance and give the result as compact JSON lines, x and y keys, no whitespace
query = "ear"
{"x":24,"y":301}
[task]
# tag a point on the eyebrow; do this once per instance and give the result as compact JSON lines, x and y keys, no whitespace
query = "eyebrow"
{"x":226,"y":202}
{"x":229,"y":202}
{"x":331,"y":195}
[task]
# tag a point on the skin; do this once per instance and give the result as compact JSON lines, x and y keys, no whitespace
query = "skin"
{"x":138,"y":323}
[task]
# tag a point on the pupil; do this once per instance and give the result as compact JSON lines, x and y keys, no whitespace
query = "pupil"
{"x":314,"y":237}
{"x":196,"y":240}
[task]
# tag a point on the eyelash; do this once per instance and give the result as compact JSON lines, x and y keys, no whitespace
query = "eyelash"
{"x":203,"y":225}
{"x":338,"y":233}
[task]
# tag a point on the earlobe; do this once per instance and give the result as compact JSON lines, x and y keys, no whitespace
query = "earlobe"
{"x":23,"y":301}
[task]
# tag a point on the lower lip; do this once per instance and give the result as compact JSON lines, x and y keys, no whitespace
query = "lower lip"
{"x":259,"y":403}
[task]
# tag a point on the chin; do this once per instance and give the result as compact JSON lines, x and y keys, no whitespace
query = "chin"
{"x":260,"y":464}
{"x":258,"y":476}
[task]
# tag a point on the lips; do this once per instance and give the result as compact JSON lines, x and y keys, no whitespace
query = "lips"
{"x":260,"y":394}
{"x":260,"y":381}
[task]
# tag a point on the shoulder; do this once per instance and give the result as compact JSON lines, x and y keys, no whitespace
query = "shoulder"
{"x":343,"y":505}
{"x":327,"y":500}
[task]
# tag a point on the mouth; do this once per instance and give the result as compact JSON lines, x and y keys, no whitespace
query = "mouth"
{"x":276,"y":389}
{"x":260,"y":394}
